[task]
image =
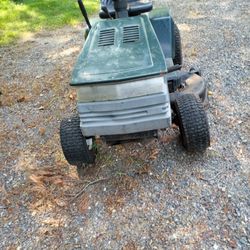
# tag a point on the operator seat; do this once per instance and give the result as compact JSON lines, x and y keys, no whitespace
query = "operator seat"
{"x":135,"y":8}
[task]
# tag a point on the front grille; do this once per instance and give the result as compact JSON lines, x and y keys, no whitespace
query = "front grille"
{"x":123,"y":117}
{"x":116,"y":117}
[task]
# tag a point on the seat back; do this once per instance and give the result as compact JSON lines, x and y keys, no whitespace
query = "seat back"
{"x":135,"y":8}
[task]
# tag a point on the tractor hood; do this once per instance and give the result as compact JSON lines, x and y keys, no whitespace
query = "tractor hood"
{"x":119,"y":50}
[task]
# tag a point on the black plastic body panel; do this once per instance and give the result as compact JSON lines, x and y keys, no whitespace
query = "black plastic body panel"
{"x":164,"y":29}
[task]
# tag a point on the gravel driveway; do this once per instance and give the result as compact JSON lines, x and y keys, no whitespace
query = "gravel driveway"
{"x":145,"y":195}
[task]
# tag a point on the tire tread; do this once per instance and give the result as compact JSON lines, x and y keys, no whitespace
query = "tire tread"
{"x":74,"y":146}
{"x":193,"y":123}
{"x":178,"y":59}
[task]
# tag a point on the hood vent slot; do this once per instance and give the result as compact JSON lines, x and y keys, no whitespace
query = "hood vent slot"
{"x":131,"y":34}
{"x":106,"y":37}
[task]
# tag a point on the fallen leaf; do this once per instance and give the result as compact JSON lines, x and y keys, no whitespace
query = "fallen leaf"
{"x":32,"y":125}
{"x":62,"y":107}
{"x":21,"y":99}
{"x":41,"y":108}
{"x":36,"y":179}
{"x":72,"y":95}
{"x":210,"y":93}
{"x":144,"y":170}
{"x":58,"y":182}
{"x":84,"y":204}
{"x":42,"y":131}
{"x":193,"y":52}
{"x":175,"y":127}
{"x":154,"y":154}
{"x":232,"y":243}
{"x":10,"y":210}
{"x":52,"y":222}
{"x":167,"y":138}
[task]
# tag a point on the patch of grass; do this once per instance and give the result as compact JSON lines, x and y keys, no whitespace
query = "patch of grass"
{"x":21,"y":16}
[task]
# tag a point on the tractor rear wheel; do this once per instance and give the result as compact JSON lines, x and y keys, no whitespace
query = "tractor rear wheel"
{"x":178,"y":50}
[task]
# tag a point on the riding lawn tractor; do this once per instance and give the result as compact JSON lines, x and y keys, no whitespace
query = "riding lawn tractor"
{"x":129,"y":83}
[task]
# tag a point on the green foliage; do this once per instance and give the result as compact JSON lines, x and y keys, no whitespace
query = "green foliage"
{"x":20,"y":16}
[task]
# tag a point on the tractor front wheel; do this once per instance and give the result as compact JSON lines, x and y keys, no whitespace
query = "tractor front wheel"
{"x":74,"y":145}
{"x":193,"y":123}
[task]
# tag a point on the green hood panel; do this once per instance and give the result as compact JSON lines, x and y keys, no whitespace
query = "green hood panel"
{"x":117,"y":50}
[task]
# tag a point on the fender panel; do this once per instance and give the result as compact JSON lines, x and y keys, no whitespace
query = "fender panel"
{"x":162,"y":23}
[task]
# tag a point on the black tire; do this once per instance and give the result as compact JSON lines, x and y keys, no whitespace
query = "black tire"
{"x":193,"y":123}
{"x":178,"y":50}
{"x":74,"y":146}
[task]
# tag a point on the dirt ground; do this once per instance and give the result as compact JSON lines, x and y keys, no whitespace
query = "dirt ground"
{"x":143,"y":195}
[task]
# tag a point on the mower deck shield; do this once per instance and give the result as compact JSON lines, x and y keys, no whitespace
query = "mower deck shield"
{"x":119,"y":50}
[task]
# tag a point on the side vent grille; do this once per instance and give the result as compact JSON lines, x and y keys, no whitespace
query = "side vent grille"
{"x":131,"y":34}
{"x":106,"y":37}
